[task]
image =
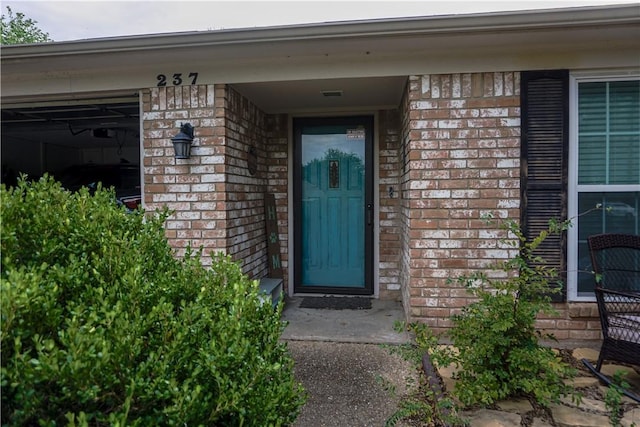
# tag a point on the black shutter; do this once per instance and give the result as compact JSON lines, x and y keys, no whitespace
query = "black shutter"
{"x":545,"y":141}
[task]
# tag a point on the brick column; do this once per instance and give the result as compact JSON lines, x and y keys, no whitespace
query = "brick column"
{"x":462,"y":160}
{"x":218,"y":203}
{"x":194,"y":189}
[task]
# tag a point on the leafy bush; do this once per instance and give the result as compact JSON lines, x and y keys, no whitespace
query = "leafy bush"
{"x":102,"y":325}
{"x":499,"y":354}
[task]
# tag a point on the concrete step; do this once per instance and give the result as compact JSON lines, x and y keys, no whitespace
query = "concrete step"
{"x":270,"y":290}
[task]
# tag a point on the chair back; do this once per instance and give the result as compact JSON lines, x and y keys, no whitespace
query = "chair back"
{"x":616,"y":261}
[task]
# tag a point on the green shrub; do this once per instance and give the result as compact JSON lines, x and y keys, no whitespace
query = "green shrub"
{"x":427,"y":404}
{"x":102,"y":325}
{"x":613,"y":397}
{"x":499,"y":354}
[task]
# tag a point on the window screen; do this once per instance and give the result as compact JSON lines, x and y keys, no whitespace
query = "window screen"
{"x":608,"y":165}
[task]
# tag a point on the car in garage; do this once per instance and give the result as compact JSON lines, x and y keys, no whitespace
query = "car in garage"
{"x":123,"y":177}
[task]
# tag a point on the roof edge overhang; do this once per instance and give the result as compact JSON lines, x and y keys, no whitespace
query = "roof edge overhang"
{"x":444,"y":24}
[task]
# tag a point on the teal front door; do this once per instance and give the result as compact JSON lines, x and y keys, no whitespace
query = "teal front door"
{"x":333,"y":214}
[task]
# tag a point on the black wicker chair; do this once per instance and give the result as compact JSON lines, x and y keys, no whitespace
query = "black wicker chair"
{"x":616,"y":262}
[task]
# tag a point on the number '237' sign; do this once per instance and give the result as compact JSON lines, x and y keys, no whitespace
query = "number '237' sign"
{"x":177,"y":79}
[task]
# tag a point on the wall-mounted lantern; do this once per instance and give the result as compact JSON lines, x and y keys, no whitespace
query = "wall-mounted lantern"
{"x":182,"y":141}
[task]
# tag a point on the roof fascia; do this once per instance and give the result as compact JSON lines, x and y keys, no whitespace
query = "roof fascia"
{"x":445,"y":24}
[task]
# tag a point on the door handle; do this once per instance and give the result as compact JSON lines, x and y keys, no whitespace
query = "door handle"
{"x":369,"y":214}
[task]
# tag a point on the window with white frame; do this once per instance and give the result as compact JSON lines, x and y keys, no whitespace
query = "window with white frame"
{"x":604,"y":169}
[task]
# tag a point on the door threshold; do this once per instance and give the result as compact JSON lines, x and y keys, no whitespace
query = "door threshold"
{"x":315,"y":294}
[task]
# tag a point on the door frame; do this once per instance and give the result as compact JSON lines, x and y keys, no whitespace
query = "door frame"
{"x":369,"y":208}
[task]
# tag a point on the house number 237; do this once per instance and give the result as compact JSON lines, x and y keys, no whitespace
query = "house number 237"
{"x":177,"y":79}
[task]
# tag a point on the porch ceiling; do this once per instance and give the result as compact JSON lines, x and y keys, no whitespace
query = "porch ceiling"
{"x":325,"y":94}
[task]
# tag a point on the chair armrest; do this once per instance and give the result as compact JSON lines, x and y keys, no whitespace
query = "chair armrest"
{"x":631,"y":295}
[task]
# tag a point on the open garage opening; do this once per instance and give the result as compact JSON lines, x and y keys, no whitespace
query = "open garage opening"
{"x":91,"y":138}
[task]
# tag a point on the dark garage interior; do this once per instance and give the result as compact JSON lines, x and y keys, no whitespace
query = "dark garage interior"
{"x":49,"y":137}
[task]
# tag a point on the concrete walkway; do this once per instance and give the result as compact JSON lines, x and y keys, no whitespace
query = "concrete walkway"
{"x":349,"y":384}
{"x":350,"y":378}
{"x":372,"y":326}
{"x":353,"y":381}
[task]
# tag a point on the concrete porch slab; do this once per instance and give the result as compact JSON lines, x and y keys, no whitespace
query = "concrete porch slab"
{"x":373,"y":326}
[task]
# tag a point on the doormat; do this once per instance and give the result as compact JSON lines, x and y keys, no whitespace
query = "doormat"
{"x":336,"y":303}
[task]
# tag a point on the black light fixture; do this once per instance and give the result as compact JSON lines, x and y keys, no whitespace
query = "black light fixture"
{"x":182,"y":141}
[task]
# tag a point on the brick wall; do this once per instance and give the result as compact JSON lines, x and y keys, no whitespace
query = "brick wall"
{"x":244,"y":127}
{"x":451,"y":154}
{"x":389,"y":204}
{"x":404,"y":212}
{"x":573,"y":321}
{"x":194,"y":189}
{"x":461,"y":160}
{"x":218,"y":205}
{"x":277,"y":158}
